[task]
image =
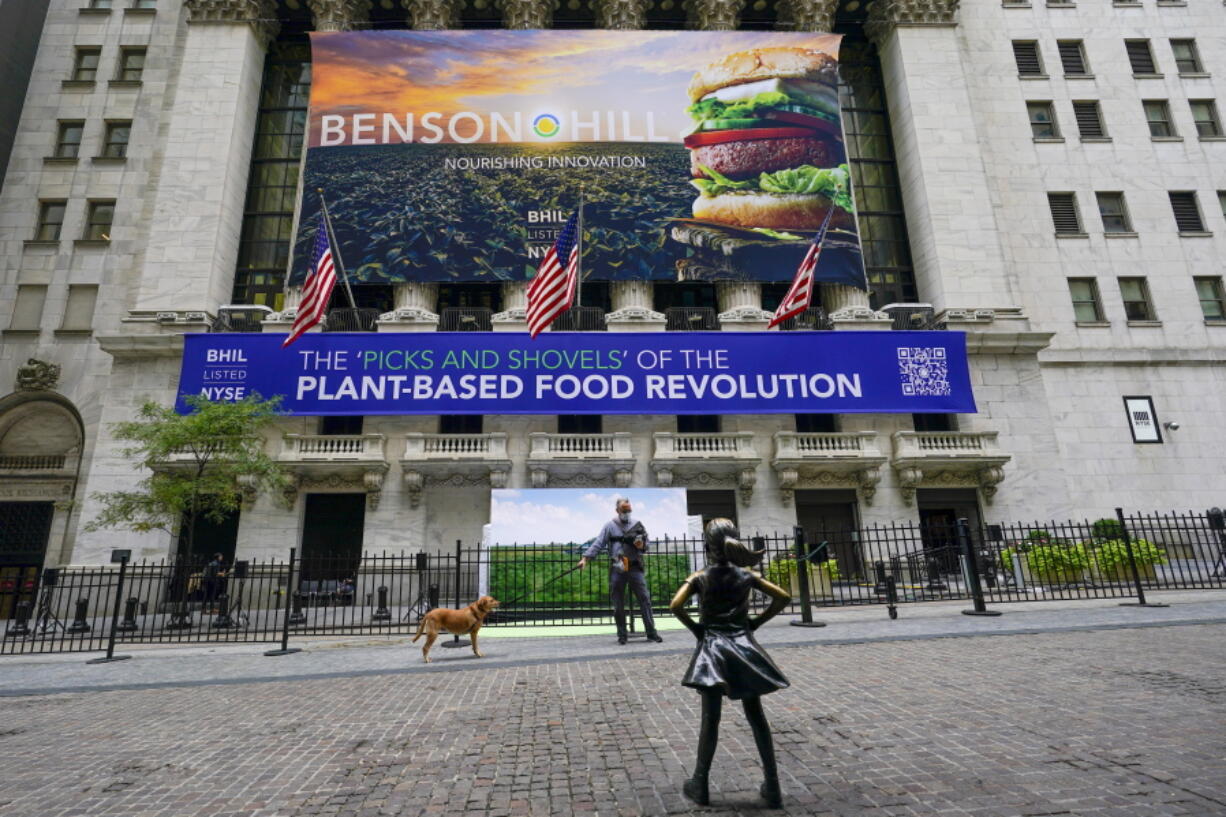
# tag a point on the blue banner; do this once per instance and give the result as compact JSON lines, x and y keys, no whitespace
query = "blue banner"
{"x":587,"y":372}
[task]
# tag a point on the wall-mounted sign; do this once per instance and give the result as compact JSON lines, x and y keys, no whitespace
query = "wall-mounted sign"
{"x":337,"y":373}
{"x":1142,"y":420}
{"x":458,"y":156}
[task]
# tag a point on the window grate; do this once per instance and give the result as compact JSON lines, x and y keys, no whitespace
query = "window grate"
{"x":1187,"y":212}
{"x":1072,"y":57}
{"x":1026,"y":52}
{"x":1064,"y":213}
{"x":1140,"y":56}
{"x":1089,"y":120}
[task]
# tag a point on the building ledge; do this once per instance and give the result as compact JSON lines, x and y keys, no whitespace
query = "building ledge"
{"x":60,"y":160}
{"x":580,"y":459}
{"x":1126,"y":234}
{"x":1092,"y":324}
{"x":1194,"y":74}
{"x":1196,"y":234}
{"x":1166,"y":138}
{"x":78,"y":84}
{"x":454,"y":460}
{"x":33,"y":244}
{"x":1145,"y":324}
{"x":824,"y":460}
{"x":124,"y":83}
{"x":335,"y":462}
{"x":947,"y":459}
{"x":1049,"y":140}
{"x":140,"y":12}
{"x":706,"y":458}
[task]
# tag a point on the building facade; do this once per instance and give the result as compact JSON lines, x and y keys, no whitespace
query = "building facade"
{"x":152,"y":188}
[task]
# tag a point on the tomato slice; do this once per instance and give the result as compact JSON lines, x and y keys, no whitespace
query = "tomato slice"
{"x":697,"y":140}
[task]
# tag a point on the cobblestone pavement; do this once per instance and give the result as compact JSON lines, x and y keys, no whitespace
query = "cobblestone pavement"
{"x":1109,"y":722}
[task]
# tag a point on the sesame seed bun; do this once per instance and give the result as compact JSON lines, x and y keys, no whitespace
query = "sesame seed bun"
{"x":764,"y":63}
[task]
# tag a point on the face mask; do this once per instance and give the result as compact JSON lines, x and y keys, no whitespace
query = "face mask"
{"x":623,"y":517}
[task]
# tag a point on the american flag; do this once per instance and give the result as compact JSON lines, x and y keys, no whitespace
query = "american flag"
{"x":317,"y":289}
{"x":800,"y":294}
{"x":553,"y":289}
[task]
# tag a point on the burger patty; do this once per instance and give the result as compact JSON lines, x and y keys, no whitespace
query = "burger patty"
{"x":746,"y":159}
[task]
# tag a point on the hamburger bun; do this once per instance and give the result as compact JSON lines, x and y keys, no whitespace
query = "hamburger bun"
{"x":764,"y":63}
{"x":791,"y":211}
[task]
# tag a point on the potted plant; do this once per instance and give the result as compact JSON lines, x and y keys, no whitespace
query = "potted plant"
{"x":1111,"y":560}
{"x":1044,"y":559}
{"x":782,"y":571}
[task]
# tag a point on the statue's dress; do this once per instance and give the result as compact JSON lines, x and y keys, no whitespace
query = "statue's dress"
{"x":727,"y":657}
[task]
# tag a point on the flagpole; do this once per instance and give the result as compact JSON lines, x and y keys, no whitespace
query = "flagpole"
{"x":336,"y":249}
{"x":579,"y":257}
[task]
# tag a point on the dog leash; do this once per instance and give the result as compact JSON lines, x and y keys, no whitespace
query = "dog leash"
{"x":520,"y":598}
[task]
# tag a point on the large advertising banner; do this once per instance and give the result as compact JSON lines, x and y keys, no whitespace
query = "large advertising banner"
{"x":586,"y":372}
{"x":457,"y":156}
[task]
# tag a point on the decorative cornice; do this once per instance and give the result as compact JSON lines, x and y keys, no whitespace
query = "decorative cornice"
{"x":714,"y":15}
{"x":885,"y":15}
{"x":523,"y":14}
{"x":807,"y":15}
{"x":621,"y":14}
{"x":339,"y":15}
{"x":261,"y":15}
{"x":433,"y":15}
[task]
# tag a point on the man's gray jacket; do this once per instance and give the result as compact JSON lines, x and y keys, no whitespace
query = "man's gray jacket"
{"x":610,"y":538}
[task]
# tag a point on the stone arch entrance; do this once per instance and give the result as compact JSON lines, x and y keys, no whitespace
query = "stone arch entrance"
{"x":41,"y":440}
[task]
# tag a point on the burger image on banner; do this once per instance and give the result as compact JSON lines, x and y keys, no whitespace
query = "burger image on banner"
{"x":766,"y":151}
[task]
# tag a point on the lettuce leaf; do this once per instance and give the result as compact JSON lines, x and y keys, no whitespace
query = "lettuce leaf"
{"x":832,"y":182}
{"x":718,"y":183}
{"x":764,"y":102}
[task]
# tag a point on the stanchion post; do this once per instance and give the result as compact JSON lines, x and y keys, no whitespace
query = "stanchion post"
{"x":290,"y":595}
{"x":802,"y":576}
{"x":79,"y":617}
{"x":1132,"y":566}
{"x":459,"y":554}
{"x":971,"y":560}
{"x":891,"y":596}
{"x":120,"y":556}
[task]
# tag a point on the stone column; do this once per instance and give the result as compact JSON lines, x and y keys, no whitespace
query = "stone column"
{"x":416,"y":301}
{"x":740,"y":306}
{"x":624,"y":15}
{"x":522,"y":14}
{"x":200,"y":183}
{"x":339,"y":15}
{"x":514,"y":314}
{"x":959,"y":261}
{"x":818,"y":15}
{"x":433,"y":15}
{"x":413,"y":308}
{"x":632,"y":310}
{"x":327,"y":15}
{"x":714,"y":15}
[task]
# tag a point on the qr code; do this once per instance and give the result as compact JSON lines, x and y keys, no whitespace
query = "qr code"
{"x":924,"y":371}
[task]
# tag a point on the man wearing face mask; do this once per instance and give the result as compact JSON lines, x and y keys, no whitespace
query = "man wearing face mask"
{"x":626,"y":541}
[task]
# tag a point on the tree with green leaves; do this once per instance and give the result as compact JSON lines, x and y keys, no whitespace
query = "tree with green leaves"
{"x":199,"y":465}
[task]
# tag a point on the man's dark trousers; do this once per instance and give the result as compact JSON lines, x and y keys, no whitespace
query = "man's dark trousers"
{"x":617,"y":591}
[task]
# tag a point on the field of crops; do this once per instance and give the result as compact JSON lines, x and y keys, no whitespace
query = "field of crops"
{"x":400,"y":214}
{"x":516,"y":573}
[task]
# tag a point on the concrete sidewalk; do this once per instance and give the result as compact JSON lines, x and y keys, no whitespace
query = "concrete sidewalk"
{"x":161,"y":666}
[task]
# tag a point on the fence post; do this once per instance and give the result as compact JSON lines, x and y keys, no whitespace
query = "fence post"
{"x":21,"y":627}
{"x":1132,"y":566}
{"x":1217,"y":524}
{"x":891,"y":596}
{"x":459,"y":553}
{"x":802,"y":576}
{"x":971,"y":561}
{"x":290,"y":596}
{"x":110,"y":642}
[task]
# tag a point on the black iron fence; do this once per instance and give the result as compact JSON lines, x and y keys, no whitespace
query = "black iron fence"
{"x":82,"y":609}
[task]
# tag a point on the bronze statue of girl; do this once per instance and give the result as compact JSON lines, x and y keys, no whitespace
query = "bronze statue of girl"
{"x":728,"y":661}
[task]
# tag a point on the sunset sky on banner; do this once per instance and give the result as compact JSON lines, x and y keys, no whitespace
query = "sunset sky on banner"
{"x":486,"y":71}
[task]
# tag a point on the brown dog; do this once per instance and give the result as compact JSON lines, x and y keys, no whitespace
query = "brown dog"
{"x":457,"y":622}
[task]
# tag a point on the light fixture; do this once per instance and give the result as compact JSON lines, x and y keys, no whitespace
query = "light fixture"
{"x":1171,"y":426}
